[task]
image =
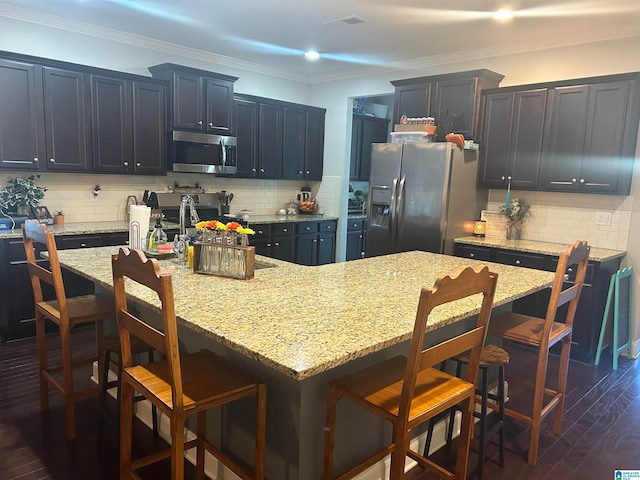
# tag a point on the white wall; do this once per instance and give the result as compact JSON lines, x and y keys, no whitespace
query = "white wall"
{"x":601,"y":58}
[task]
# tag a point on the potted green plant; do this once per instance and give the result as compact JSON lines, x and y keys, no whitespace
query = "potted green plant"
{"x":18,"y":194}
{"x":58,"y":218}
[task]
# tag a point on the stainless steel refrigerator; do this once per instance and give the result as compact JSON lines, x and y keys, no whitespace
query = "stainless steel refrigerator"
{"x":421,"y":196}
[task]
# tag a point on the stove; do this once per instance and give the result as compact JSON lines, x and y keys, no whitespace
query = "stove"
{"x":207,"y":206}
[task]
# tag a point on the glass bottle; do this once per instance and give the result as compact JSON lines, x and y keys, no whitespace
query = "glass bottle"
{"x":157,"y":236}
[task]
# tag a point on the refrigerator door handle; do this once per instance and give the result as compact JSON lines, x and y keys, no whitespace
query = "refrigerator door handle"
{"x":392,"y":210}
{"x":399,"y":207}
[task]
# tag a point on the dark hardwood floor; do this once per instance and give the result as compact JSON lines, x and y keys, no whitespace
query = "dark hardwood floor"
{"x":601,"y":430}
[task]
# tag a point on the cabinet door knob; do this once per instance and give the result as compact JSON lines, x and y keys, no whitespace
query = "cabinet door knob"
{"x":262,"y":170}
{"x":322,"y":239}
{"x":260,"y":232}
{"x":285,"y":229}
{"x":308,"y":172}
{"x":573,"y":180}
{"x":582,"y":180}
{"x":277,"y":244}
{"x":52,"y":160}
{"x":126,"y":164}
{"x":253,"y":170}
{"x":503,"y":177}
{"x":299,"y":172}
{"x":35,"y":159}
{"x":268,"y":245}
{"x":315,"y":240}
{"x":138,"y":164}
{"x":307,"y":228}
{"x":472,"y":255}
{"x":517,"y":262}
{"x":200,"y":122}
{"x":359,"y":236}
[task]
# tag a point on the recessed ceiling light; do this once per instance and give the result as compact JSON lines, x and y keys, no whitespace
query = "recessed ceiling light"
{"x":312,"y":55}
{"x":503,"y":14}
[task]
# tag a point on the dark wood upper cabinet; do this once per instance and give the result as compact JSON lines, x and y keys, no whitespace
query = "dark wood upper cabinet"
{"x":511,"y":142}
{"x":21,"y":128}
{"x":589,"y":131}
{"x":445,"y":97}
{"x":270,"y":140}
{"x":149,"y":128}
{"x":128,"y":124}
{"x":278,"y":139}
{"x":571,"y":135}
{"x":111,"y":124}
{"x":295,"y":124}
{"x":200,"y":101}
{"x":365,"y":131}
{"x":59,"y":116}
{"x":314,"y":145}
{"x":246,"y":128}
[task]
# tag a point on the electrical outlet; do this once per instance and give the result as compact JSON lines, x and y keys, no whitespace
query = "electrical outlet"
{"x":603,"y":218}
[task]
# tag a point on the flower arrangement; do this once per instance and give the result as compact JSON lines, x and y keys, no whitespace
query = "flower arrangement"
{"x":226,"y":230}
{"x":219,"y":226}
{"x":516,"y":210}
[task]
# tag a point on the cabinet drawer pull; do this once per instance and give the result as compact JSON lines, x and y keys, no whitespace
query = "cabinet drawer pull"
{"x":285,"y":229}
{"x":517,"y":262}
{"x":277,"y":244}
{"x":82,"y":245}
{"x":307,"y":228}
{"x":472,"y":255}
{"x":217,"y":127}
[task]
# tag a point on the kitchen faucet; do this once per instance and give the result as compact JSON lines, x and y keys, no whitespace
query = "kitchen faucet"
{"x":187,"y":200}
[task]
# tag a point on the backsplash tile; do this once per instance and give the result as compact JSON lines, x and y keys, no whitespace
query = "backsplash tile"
{"x":72,"y":192}
{"x":567,"y":217}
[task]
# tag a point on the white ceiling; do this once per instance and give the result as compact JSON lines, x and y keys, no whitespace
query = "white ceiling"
{"x":269,"y":36}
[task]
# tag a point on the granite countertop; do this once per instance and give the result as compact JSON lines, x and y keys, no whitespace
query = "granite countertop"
{"x":544,"y":248}
{"x":288,"y":218}
{"x":302,"y":320}
{"x":80,"y":228}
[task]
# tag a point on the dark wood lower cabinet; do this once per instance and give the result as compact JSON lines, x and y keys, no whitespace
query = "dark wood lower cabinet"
{"x":588,"y":318}
{"x":305,"y":243}
{"x":356,"y":231}
{"x":17,"y":309}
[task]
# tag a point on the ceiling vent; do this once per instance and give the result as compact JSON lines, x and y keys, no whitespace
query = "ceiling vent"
{"x":351,"y":20}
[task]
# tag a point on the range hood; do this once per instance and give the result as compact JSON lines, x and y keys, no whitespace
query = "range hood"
{"x":196,"y":152}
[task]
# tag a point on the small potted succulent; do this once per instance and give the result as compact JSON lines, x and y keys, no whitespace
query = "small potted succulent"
{"x":58,"y":218}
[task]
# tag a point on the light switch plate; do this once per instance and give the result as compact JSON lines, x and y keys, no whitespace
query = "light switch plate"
{"x":603,"y":218}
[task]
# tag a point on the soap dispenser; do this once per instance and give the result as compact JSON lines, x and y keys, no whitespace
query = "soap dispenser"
{"x":157,"y":236}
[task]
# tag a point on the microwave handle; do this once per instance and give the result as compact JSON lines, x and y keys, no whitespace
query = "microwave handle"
{"x":224,"y":153}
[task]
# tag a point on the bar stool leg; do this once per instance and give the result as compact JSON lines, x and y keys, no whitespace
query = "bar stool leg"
{"x":483,"y":420}
{"x":501,"y":400}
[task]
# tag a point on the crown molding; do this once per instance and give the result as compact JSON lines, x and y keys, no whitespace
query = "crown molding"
{"x":513,"y":48}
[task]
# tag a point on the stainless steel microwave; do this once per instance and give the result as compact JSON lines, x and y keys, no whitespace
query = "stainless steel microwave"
{"x":202,"y":153}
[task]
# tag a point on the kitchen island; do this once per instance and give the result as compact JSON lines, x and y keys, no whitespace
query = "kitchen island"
{"x":299,"y":326}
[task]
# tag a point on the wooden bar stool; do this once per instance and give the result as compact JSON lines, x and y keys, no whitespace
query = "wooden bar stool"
{"x":542,"y":334}
{"x":179,"y":385}
{"x":492,"y":357}
{"x":64,"y":312}
{"x":110,"y":346}
{"x":408,"y":391}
